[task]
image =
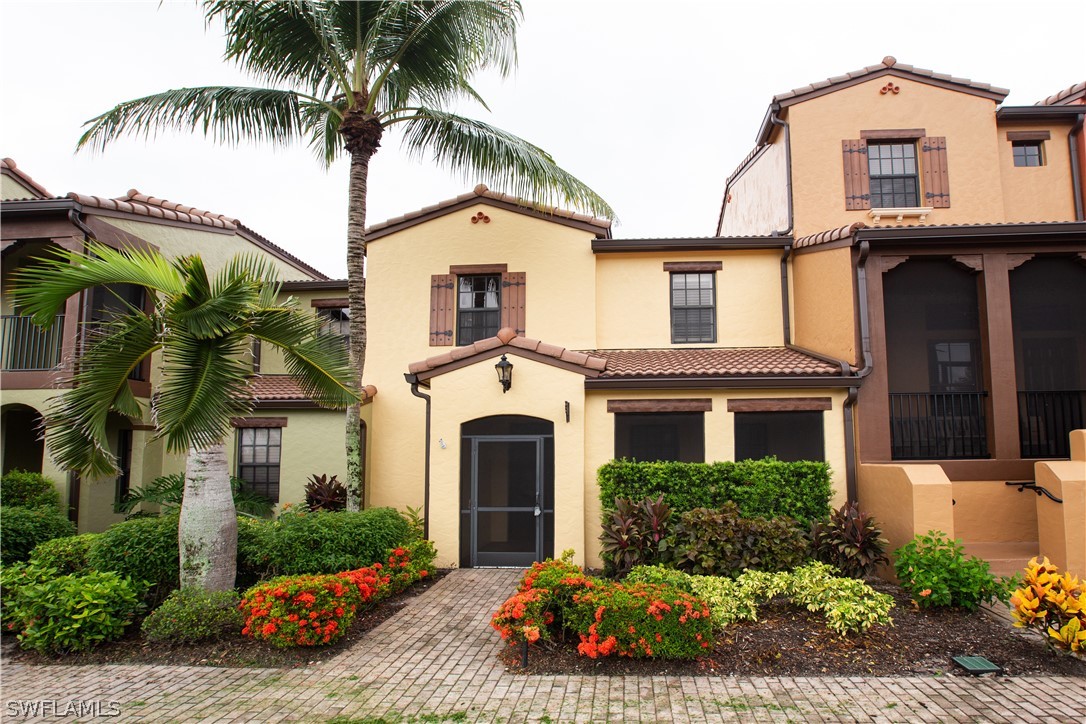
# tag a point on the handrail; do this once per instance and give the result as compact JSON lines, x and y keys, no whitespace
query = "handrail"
{"x":1032,"y":485}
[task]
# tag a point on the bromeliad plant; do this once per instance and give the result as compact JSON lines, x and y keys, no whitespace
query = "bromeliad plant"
{"x":634,"y":534}
{"x":849,"y":540}
{"x":324,"y":493}
{"x":1053,"y":604}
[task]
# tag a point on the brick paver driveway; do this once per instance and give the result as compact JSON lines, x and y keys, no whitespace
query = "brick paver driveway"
{"x":435,"y":661}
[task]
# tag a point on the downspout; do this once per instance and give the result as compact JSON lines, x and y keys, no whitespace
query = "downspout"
{"x":854,"y":390}
{"x":776,"y":121}
{"x":413,"y":380}
{"x":785,"y":315}
{"x":1076,"y":169}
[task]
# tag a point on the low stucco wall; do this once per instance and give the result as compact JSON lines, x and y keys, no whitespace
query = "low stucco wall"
{"x":1062,"y":526}
{"x":906,"y":500}
{"x":991,"y":511}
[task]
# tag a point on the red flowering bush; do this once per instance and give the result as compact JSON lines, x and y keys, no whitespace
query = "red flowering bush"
{"x":524,"y":617}
{"x":641,"y":620}
{"x":558,"y":581}
{"x":371,"y":582}
{"x":409,"y":563}
{"x":300,"y":610}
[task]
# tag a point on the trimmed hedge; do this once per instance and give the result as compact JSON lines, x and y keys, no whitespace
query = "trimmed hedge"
{"x":761,"y":488}
{"x":66,"y":555}
{"x":143,"y":549}
{"x":28,"y":490}
{"x":22,"y":529}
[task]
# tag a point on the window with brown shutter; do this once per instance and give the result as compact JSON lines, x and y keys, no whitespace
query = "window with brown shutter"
{"x":513,"y":291}
{"x":936,"y":182}
{"x":881,"y":171}
{"x":857,"y":186}
{"x":442,"y":309}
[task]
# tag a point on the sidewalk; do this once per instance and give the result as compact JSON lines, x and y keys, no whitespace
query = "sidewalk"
{"x":435,"y":661}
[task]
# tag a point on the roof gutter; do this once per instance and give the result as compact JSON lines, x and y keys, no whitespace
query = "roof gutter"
{"x":1076,"y":169}
{"x":413,"y":380}
{"x":716,"y":382}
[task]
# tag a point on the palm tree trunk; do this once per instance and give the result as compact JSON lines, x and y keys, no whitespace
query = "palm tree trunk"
{"x":208,"y":531}
{"x":356,"y":293}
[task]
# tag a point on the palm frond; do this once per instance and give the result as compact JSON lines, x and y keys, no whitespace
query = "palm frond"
{"x":319,"y":362}
{"x":76,"y":421}
{"x":43,"y":287}
{"x":204,"y":384}
{"x":323,"y":125}
{"x":226,"y":113}
{"x":479,"y":151}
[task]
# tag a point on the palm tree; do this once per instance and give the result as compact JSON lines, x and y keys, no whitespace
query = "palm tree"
{"x":203,"y":327}
{"x":341,"y":74}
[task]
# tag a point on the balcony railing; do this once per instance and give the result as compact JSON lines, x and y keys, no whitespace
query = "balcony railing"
{"x":938,"y":425}
{"x":1045,"y":418}
{"x":25,"y":346}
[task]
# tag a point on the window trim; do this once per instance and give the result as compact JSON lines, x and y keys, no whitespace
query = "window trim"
{"x":918,"y":191}
{"x":671,"y":306}
{"x":261,"y":423}
{"x":1028,"y":143}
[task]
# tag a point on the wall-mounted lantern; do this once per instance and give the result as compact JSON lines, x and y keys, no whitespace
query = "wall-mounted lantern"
{"x":505,"y":373}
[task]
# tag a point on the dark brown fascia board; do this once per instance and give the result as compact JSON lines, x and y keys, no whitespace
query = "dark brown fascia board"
{"x":897,"y":73}
{"x":712,"y":243}
{"x":1040,"y":113}
{"x":600,"y":232}
{"x":314,"y":285}
{"x":1069,"y":231}
{"x":425,"y":377}
{"x":710,"y":383}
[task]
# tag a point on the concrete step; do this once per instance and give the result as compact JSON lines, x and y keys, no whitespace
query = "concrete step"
{"x":1004,"y":559}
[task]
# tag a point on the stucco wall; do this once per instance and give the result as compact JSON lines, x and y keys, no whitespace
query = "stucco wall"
{"x":759,"y":197}
{"x":634,"y":311}
{"x":1062,"y":526}
{"x":823,"y":303}
{"x":1037,"y":193}
{"x":820,"y":124}
{"x":216,"y":249}
{"x":719,"y":440}
{"x":991,"y":511}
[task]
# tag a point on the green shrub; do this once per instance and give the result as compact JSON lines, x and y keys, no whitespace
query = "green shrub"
{"x":21,"y":529}
{"x":75,"y":612}
{"x":661,"y":575}
{"x":850,"y":541}
{"x":765,"y":488}
{"x":253,"y":535}
{"x":325,"y":542}
{"x":13,"y":578}
{"x":167,"y":492}
{"x":849,"y":605}
{"x":28,"y":490}
{"x":560,"y":581}
{"x":935,"y":572}
{"x":300,"y":610}
{"x":722,"y":543}
{"x":640,"y":620}
{"x":143,"y":549}
{"x":191,"y":615}
{"x":66,"y":555}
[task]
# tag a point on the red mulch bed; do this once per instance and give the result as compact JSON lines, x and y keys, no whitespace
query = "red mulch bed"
{"x":239,"y":651}
{"x":790,"y":641}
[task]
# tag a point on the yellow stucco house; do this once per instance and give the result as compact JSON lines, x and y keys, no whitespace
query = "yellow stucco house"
{"x":895,"y":287}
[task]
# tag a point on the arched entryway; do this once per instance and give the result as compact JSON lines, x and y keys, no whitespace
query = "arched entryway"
{"x":506,"y":491}
{"x":23,"y":445}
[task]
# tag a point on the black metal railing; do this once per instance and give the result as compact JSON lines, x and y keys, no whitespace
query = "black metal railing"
{"x":938,"y":425}
{"x":1045,"y":418}
{"x":26,"y":346}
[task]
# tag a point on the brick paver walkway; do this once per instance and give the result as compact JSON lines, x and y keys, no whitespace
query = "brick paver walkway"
{"x":435,"y":661}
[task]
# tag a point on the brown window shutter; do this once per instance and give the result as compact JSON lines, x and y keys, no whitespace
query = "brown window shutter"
{"x":442,"y":309}
{"x":513,"y":291}
{"x":857,"y":182}
{"x":936,"y":181}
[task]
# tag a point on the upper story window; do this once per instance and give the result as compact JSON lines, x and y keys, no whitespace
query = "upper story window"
{"x":478,"y":313}
{"x":1028,"y":153}
{"x":335,"y":320}
{"x":693,"y":307}
{"x":892,"y":168}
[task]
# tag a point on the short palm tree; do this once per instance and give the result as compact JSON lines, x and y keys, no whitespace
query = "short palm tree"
{"x":341,"y":74}
{"x":202,"y":326}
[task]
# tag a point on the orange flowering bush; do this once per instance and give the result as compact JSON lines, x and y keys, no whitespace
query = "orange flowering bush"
{"x":641,"y":620}
{"x":409,"y":563}
{"x":524,"y":617}
{"x":371,"y":582}
{"x":1053,"y":604}
{"x":307,"y":610}
{"x":543,"y":600}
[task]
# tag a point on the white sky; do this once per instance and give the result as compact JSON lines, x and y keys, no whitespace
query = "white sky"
{"x":651,"y":104}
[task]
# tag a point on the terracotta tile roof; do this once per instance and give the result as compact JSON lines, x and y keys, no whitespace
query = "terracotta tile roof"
{"x":284,"y":388}
{"x":1076,"y":94}
{"x":506,"y":340}
{"x":9,"y":165}
{"x":824,"y":237}
{"x":887,"y":63}
{"x":727,"y":362}
{"x":483,"y":193}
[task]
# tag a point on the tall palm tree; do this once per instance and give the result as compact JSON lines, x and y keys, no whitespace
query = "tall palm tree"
{"x":203,"y":327}
{"x":341,"y":74}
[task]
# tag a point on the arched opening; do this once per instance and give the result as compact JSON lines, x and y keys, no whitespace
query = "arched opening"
{"x":24,"y":447}
{"x":1048,"y":296}
{"x":934,"y":362}
{"x":506,"y":491}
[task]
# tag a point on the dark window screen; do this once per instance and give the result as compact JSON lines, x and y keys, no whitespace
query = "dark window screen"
{"x":788,"y":436}
{"x":678,"y":436}
{"x":259,"y":452}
